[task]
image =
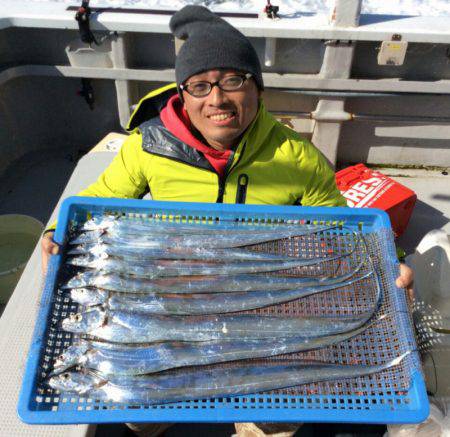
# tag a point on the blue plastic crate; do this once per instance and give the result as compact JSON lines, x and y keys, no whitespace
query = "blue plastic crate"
{"x":396,"y":395}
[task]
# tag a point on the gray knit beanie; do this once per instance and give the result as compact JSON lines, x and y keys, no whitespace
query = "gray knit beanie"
{"x":211,"y":43}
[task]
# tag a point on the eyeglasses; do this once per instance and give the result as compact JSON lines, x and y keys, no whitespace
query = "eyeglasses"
{"x":228,"y":83}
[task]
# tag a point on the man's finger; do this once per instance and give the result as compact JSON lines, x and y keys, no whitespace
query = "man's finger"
{"x":400,"y":282}
{"x":405,"y":278}
{"x":49,"y":247}
{"x":410,"y":293}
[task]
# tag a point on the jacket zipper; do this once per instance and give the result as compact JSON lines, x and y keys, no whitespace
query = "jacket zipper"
{"x":223,"y":180}
{"x":241,"y":192}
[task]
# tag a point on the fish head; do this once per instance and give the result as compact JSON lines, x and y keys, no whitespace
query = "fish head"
{"x":84,"y":249}
{"x":75,"y":382}
{"x":80,"y":261}
{"x":77,"y":281}
{"x":89,"y":278}
{"x":79,"y":249}
{"x":88,"y":237}
{"x":99,"y":250}
{"x":97,"y":222}
{"x":72,"y":356}
{"x":86,"y":321}
{"x":87,"y":260}
{"x":89,"y":296}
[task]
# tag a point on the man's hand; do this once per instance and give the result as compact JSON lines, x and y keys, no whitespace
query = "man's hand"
{"x":48,"y":248}
{"x":405,"y":280}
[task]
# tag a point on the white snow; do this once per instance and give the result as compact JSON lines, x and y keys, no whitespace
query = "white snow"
{"x":384,"y":7}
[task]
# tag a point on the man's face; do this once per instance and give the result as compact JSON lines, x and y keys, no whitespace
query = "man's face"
{"x":222,"y":116}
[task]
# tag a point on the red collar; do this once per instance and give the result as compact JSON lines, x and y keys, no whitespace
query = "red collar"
{"x":176,"y":121}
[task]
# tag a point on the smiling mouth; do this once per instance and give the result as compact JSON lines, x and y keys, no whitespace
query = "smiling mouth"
{"x":222,"y":116}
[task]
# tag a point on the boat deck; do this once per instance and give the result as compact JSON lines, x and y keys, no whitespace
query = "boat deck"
{"x":432,"y":210}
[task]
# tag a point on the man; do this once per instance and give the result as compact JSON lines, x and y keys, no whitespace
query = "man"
{"x":209,"y":138}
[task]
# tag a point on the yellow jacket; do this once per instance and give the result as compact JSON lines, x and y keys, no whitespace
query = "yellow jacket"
{"x":272,"y":165}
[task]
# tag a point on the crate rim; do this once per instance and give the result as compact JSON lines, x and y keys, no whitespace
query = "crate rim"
{"x":217,"y":208}
{"x":227,"y":416}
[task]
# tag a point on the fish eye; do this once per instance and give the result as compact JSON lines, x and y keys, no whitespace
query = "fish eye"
{"x":78,"y":317}
{"x":65,"y":376}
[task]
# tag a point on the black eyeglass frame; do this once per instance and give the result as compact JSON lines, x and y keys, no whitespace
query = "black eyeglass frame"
{"x":244,"y":77}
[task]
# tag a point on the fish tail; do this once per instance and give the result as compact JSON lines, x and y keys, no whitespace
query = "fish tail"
{"x":398,"y":360}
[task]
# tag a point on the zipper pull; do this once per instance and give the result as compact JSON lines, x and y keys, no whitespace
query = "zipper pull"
{"x":221,"y":190}
{"x":241,"y":192}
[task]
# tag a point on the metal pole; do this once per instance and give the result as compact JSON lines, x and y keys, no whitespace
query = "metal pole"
{"x":337,"y":63}
{"x":368,"y":117}
{"x":123,"y":91}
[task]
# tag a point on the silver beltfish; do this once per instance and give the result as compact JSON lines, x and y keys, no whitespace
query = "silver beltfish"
{"x":213,"y":241}
{"x":196,"y":284}
{"x":213,"y":303}
{"x":157,"y":268}
{"x":203,"y":254}
{"x":92,"y":296}
{"x":184,"y":384}
{"x":116,"y":359}
{"x":128,"y":327}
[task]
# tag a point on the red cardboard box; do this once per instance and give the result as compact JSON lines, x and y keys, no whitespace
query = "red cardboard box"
{"x":365,"y":188}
